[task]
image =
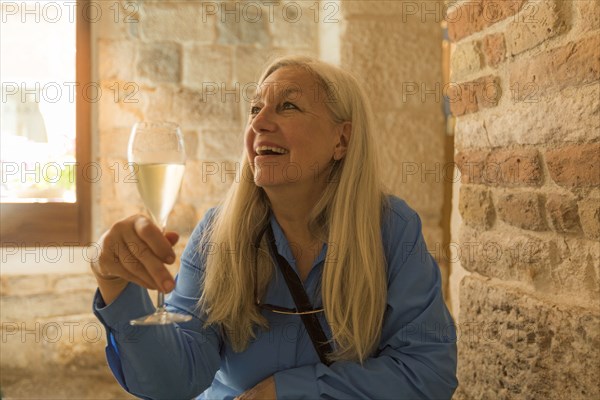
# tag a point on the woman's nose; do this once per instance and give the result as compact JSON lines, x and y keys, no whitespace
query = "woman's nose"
{"x":264,"y":121}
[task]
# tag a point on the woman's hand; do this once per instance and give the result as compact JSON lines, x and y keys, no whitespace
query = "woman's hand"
{"x":134,"y":250}
{"x":264,"y":390}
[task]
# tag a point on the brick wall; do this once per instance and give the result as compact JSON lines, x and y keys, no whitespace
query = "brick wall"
{"x":527,"y":101}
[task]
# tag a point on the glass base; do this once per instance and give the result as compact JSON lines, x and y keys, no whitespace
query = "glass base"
{"x":161,"y":317}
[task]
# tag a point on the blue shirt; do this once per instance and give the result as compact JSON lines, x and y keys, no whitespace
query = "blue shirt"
{"x":416,"y":357}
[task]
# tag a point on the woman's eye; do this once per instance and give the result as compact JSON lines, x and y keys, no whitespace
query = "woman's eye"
{"x":254,"y":110}
{"x":288,"y":106}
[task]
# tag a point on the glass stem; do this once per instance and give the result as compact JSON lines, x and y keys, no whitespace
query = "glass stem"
{"x":160,"y":302}
{"x":160,"y":297}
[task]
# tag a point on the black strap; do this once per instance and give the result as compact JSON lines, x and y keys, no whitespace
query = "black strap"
{"x":311,"y":322}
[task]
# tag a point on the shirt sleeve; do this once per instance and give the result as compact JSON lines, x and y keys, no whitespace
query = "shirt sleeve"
{"x":162,"y":361}
{"x":416,"y":357}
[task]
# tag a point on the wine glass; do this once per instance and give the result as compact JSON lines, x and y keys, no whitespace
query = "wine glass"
{"x":157,"y":155}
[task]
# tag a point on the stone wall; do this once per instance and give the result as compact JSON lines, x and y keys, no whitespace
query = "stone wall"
{"x":396,"y":51}
{"x":527,"y":97}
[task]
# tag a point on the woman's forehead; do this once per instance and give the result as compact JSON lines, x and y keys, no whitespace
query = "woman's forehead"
{"x":287,"y":82}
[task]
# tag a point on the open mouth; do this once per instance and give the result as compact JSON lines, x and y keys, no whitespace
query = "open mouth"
{"x":270,"y":151}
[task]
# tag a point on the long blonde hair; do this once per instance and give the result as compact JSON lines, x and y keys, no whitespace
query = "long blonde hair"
{"x":347,"y":216}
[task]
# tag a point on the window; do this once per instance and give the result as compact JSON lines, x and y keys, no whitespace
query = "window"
{"x":45,"y":123}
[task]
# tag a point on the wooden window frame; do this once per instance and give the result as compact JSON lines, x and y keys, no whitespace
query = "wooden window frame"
{"x":62,"y":224}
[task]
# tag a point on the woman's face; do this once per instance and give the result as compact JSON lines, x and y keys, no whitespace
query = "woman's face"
{"x":290,"y":137}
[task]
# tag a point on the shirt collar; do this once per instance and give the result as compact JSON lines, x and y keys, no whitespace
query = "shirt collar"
{"x":283,"y":246}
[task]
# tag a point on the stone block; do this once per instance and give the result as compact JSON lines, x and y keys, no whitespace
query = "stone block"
{"x":200,"y":109}
{"x":118,"y":173}
{"x":514,"y":167}
{"x":494,"y":49}
{"x":472,"y":165}
{"x":249,"y":64}
{"x":522,"y":209}
{"x":48,"y":283}
{"x":208,"y":180}
{"x":247,"y":24}
{"x":466,"y":59}
{"x":118,"y":197}
{"x":116,"y":59}
{"x":512,"y":344}
{"x":190,"y":139}
{"x":470,"y":97}
{"x":61,"y":383}
{"x":574,"y":64}
{"x":177,"y":21}
{"x":576,"y":271}
{"x":563,"y":213}
{"x":386,"y":8}
{"x":563,"y":267}
{"x":119,"y":113}
{"x":547,"y":20}
{"x":469,"y":17}
{"x":71,"y":283}
{"x":25,"y":284}
{"x":415,"y":167}
{"x":369,"y":54}
{"x":476,"y":207}
{"x":296,"y":27}
{"x":192,"y":109}
{"x":531,"y":117}
{"x":18,"y":308}
{"x":589,"y":215}
{"x":509,"y":255}
{"x":113,"y":142}
{"x":469,"y":133}
{"x":223,"y":143}
{"x":158,"y":102}
{"x":63,"y":343}
{"x":575,"y":165}
{"x":160,"y":62}
{"x":116,"y":20}
{"x":588,"y":14}
{"x":207,"y":65}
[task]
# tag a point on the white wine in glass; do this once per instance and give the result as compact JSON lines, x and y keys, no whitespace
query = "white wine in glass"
{"x":159,"y":185}
{"x":157,"y":154}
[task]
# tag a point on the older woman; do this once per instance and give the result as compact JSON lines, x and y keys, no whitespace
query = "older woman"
{"x":307,"y":282}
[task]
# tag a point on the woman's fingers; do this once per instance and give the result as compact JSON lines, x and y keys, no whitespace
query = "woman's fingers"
{"x":155,"y":239}
{"x":135,"y":249}
{"x":131,"y":268}
{"x":147,"y":243}
{"x":172,"y":237}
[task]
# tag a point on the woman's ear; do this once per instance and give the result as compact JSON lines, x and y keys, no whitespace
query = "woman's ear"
{"x":344,"y":132}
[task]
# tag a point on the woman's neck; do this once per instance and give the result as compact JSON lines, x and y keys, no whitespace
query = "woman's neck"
{"x":292,"y":209}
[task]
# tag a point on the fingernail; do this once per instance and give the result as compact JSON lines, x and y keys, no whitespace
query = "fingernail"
{"x":170,"y":259}
{"x":168,"y":285}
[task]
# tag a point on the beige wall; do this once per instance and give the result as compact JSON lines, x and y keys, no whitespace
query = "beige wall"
{"x":397,"y":54}
{"x":527,"y":145}
{"x":155,"y":67}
